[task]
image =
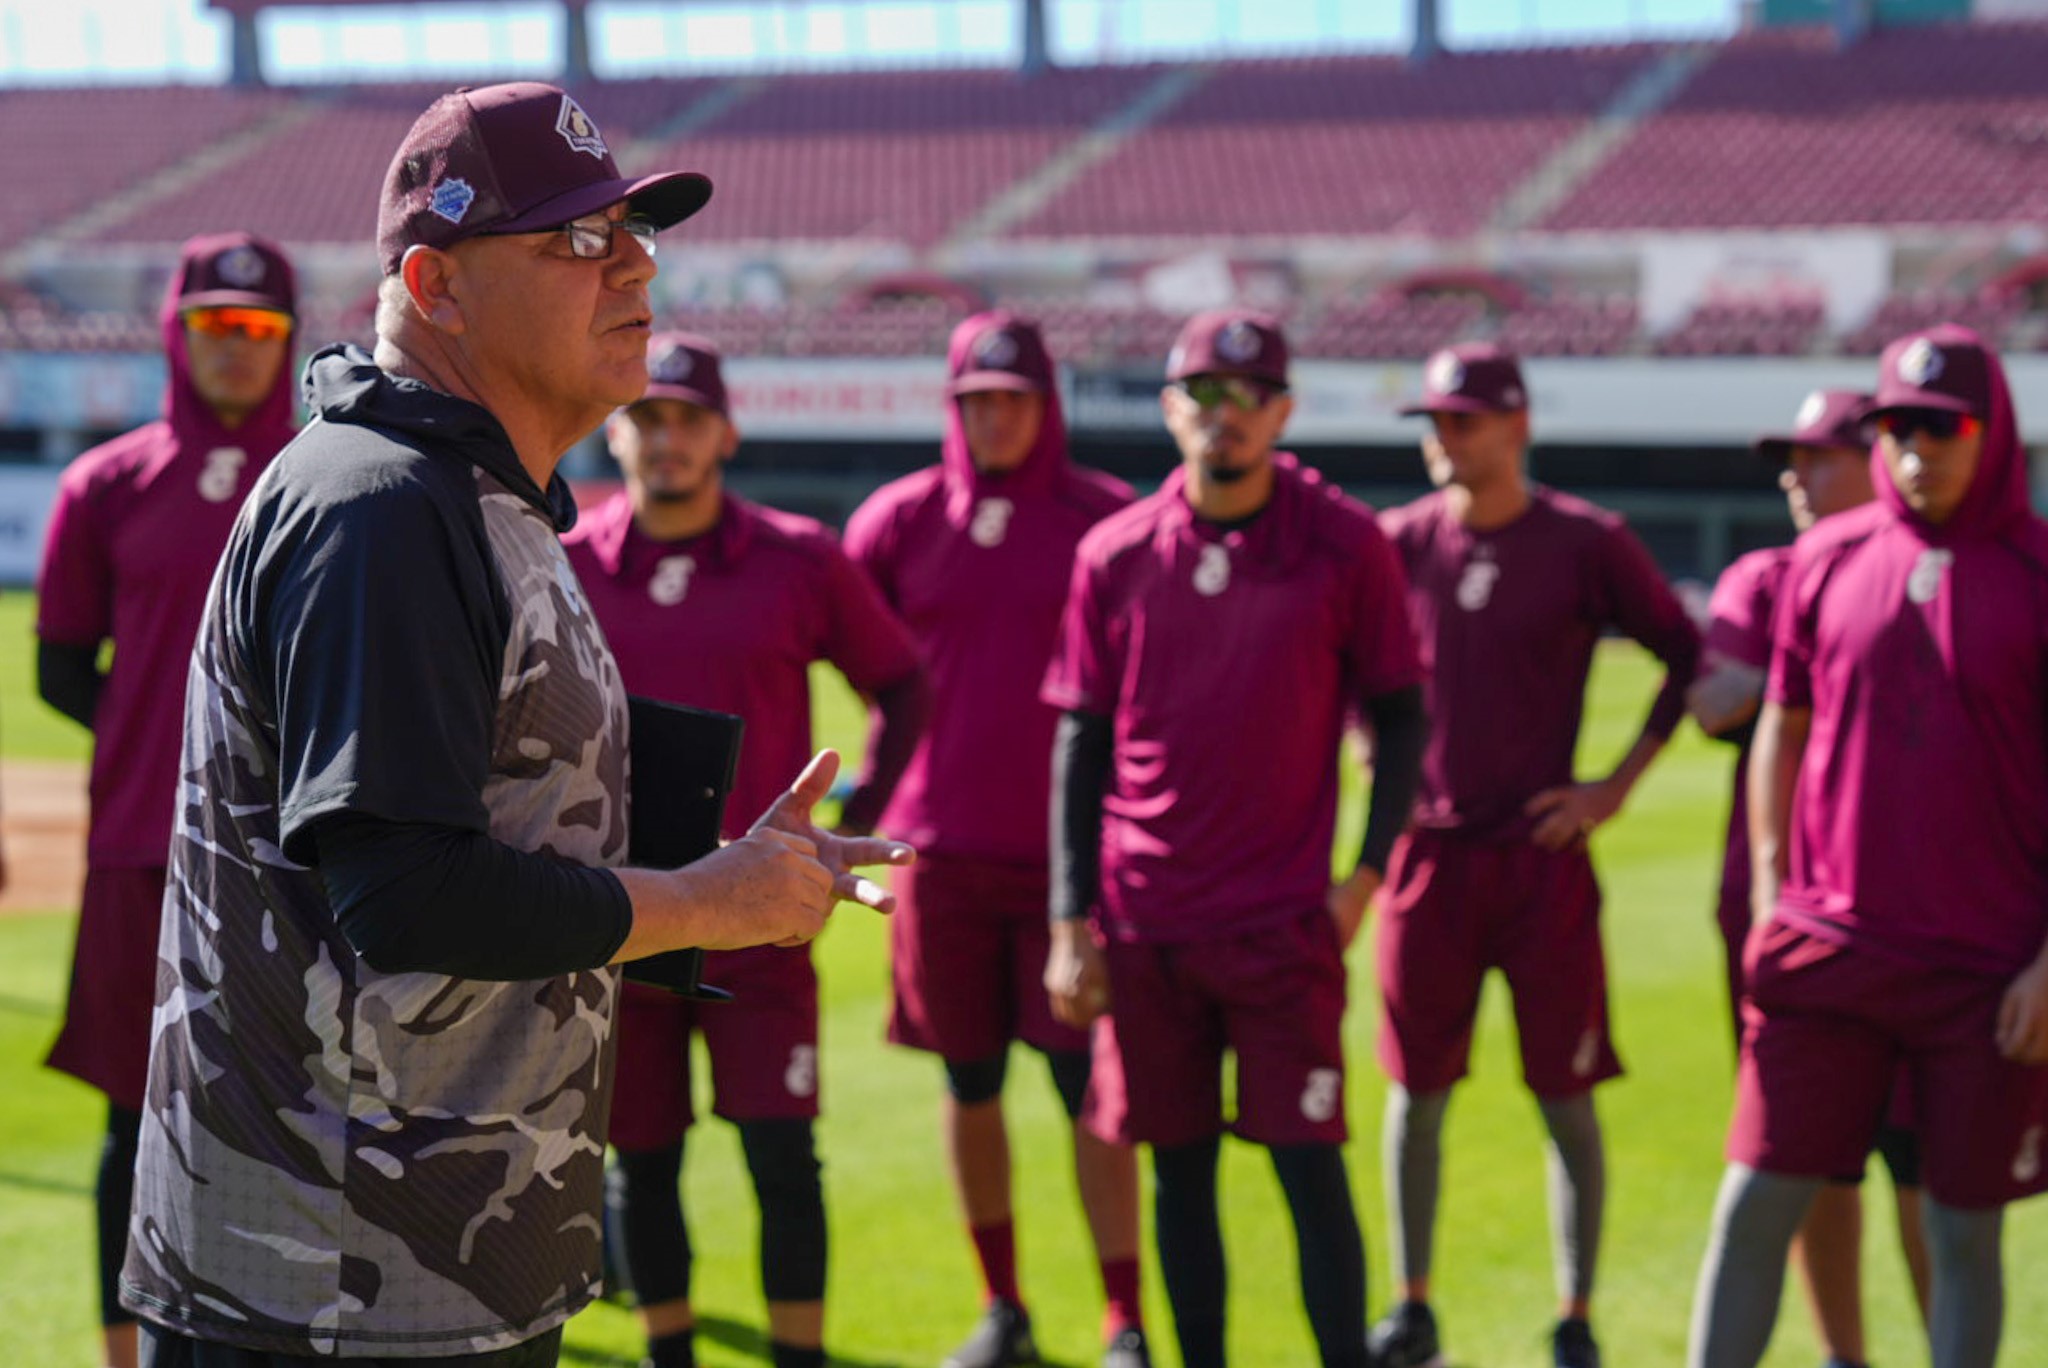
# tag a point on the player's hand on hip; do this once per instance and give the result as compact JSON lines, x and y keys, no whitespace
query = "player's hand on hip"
{"x":1076,"y":975}
{"x":1567,"y":815}
{"x":840,"y":854}
{"x":1350,"y":901}
{"x":2023,"y":1017}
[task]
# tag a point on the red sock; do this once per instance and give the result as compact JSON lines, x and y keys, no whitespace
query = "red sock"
{"x":1120,"y":1295}
{"x":997,"y":1247}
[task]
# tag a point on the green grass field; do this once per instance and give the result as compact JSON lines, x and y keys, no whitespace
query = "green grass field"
{"x":903,"y":1288}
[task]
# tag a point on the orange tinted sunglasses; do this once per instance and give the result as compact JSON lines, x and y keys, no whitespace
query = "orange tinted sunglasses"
{"x":258,"y":325}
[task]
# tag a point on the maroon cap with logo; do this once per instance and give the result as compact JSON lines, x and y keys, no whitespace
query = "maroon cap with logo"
{"x":510,"y":159}
{"x":1937,"y":368}
{"x":236,"y":270}
{"x":1472,"y":377}
{"x":685,"y":366}
{"x":1827,"y":418}
{"x":1007,"y":353}
{"x":1230,"y":342}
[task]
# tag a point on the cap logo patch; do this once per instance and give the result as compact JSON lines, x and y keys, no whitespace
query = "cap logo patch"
{"x":1445,"y":374}
{"x":1921,"y":363}
{"x":673,"y":364}
{"x":995,"y":350}
{"x":1812,"y":411}
{"x":1238,"y":343}
{"x":451,"y":199}
{"x":241,"y":266}
{"x":578,"y":131}
{"x":1512,"y":396}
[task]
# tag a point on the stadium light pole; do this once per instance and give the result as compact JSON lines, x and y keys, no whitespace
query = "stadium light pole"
{"x":1037,"y":55}
{"x":575,"y":42}
{"x":1426,"y":43}
{"x":1852,"y":22}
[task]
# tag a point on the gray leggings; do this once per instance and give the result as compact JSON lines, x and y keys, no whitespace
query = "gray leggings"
{"x":1754,"y":1222}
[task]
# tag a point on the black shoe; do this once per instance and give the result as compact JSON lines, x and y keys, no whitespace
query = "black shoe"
{"x":1126,"y":1349}
{"x":1572,"y":1345}
{"x":1406,"y":1338}
{"x":1001,"y":1339}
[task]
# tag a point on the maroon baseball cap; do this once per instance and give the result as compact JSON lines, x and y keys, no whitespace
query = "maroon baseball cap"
{"x":685,"y":366}
{"x":1472,"y":377}
{"x":1005,"y":351}
{"x":1230,"y":342}
{"x":235,"y":270}
{"x":1827,"y":418}
{"x":511,"y":159}
{"x":1937,"y":368}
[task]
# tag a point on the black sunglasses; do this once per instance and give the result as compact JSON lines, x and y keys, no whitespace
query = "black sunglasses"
{"x":1213,"y":391}
{"x":1940,"y":424}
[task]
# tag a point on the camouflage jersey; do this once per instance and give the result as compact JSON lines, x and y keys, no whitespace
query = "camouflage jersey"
{"x":336,"y":1160}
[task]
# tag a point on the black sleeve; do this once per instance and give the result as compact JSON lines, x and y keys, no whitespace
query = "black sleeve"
{"x":1082,"y":750}
{"x":903,"y":710}
{"x":69,"y":679}
{"x":424,"y":899}
{"x":378,"y":633}
{"x":1400,"y":724}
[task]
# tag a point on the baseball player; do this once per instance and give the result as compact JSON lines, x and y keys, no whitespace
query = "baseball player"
{"x":1898,"y":793}
{"x":714,"y":601}
{"x":1824,"y":468}
{"x":975,"y":553}
{"x":1217,"y":635}
{"x":1511,"y":586}
{"x":134,"y":534}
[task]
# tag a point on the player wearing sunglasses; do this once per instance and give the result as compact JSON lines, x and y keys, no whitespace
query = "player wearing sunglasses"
{"x":1898,"y":799}
{"x":134,"y":534}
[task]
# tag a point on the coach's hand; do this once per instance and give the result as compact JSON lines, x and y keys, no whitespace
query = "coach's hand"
{"x":1569,"y":814}
{"x":840,"y":854}
{"x":1076,"y":978}
{"x":1351,"y":900}
{"x":2023,"y":1017}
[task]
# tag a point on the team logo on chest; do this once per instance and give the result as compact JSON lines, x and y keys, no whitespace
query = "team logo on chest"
{"x":1925,"y":582}
{"x":671,"y":580}
{"x":1212,"y":571}
{"x":1475,"y":585}
{"x":991,"y":522}
{"x":222,"y":474}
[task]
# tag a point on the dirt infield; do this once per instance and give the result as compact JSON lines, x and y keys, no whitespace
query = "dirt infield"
{"x":42,"y":820}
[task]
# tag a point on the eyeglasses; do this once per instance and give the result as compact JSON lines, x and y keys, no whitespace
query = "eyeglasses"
{"x":1940,"y":424}
{"x":590,"y":237}
{"x":1213,"y":391}
{"x":257,"y":325}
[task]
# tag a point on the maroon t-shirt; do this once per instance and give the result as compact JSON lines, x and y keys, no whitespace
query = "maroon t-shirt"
{"x":1227,"y":662}
{"x":977,"y":566}
{"x":731,"y":621}
{"x":136,"y":530}
{"x":1919,"y":826}
{"x":1507,"y":620}
{"x":1739,"y":629}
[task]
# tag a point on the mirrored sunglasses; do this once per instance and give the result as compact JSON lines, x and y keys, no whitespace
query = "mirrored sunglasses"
{"x":1940,"y":424}
{"x":257,"y":325}
{"x":1213,"y":391}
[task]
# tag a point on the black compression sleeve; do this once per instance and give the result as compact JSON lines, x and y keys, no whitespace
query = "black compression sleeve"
{"x":1400,"y":724}
{"x":415,"y":898}
{"x":69,"y":679}
{"x":1082,"y":749}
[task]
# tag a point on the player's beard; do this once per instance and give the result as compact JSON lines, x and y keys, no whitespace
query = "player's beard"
{"x":1224,"y":474}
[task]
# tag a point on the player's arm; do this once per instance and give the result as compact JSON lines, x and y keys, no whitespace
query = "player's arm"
{"x":1645,"y":609}
{"x":1775,"y":756}
{"x":69,"y":679}
{"x":1076,"y":980}
{"x":1725,"y":698}
{"x":1400,"y":726}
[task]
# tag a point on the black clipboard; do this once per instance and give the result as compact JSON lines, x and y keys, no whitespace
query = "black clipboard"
{"x":683,"y":764}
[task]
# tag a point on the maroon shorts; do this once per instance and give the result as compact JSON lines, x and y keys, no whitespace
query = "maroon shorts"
{"x":105,"y":1036}
{"x":967,"y":949}
{"x":1273,"y":998}
{"x":1827,"y":1028}
{"x":1454,"y":908}
{"x":763,"y":1047}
